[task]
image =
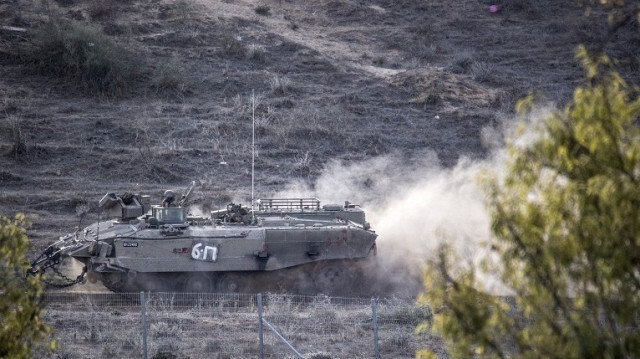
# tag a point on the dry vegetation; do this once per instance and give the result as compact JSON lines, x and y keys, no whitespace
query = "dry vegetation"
{"x":129,"y":95}
{"x":226,"y":326}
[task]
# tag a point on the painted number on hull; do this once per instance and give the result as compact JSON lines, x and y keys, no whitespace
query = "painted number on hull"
{"x":204,"y":253}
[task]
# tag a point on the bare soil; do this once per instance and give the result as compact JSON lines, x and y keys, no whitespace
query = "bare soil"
{"x":346,"y":80}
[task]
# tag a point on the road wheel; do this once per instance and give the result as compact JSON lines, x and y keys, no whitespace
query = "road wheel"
{"x":333,"y":277}
{"x":197,"y":282}
{"x":231,"y":283}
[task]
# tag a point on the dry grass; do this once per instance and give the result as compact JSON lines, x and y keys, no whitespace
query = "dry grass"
{"x":320,"y":327}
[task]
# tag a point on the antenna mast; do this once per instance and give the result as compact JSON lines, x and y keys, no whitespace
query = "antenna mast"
{"x":253,"y":142}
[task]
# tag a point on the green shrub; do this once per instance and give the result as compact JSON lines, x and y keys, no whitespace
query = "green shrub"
{"x":23,"y":334}
{"x":84,"y":53}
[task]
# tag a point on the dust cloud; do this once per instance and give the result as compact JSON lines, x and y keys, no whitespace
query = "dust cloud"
{"x":71,"y":268}
{"x":414,"y":204}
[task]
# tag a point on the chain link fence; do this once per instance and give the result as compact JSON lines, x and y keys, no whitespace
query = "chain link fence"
{"x":211,"y":325}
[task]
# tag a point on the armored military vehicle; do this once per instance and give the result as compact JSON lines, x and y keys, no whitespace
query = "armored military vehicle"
{"x":293,"y":245}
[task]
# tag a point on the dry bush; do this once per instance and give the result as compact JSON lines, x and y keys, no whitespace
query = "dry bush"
{"x":181,"y":9}
{"x":232,"y":45}
{"x":409,"y":315}
{"x":379,"y":60}
{"x":280,"y":85}
{"x":17,"y":136}
{"x":256,"y":53}
{"x":461,"y":63}
{"x":84,"y":53}
{"x":225,"y":139}
{"x":263,"y":10}
{"x":424,"y":50}
{"x":9,"y":106}
{"x":146,"y":142}
{"x":102,"y":9}
{"x":483,"y":72}
{"x":374,"y":144}
{"x":590,"y":32}
{"x":429,"y":90}
{"x":171,"y":76}
{"x":506,"y":100}
{"x":399,"y":343}
{"x":266,"y":115}
{"x":241,"y":108}
{"x":302,"y":163}
{"x":309,"y":129}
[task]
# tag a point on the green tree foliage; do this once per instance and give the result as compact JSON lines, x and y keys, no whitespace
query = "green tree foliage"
{"x":21,"y":331}
{"x":566,"y":229}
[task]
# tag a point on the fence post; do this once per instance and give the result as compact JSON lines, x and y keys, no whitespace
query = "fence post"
{"x":260,"y":326}
{"x":144,"y":325}
{"x":375,"y":328}
{"x":284,"y":340}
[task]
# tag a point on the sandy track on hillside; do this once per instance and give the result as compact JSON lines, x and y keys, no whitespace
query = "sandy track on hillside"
{"x":343,"y":55}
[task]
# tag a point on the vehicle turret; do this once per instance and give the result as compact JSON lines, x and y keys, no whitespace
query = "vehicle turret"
{"x":125,"y":207}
